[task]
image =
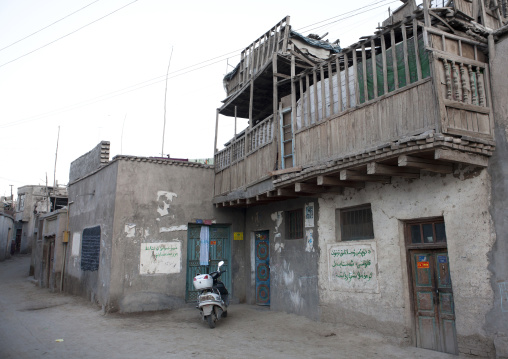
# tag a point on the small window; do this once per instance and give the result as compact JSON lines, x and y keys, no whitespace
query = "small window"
{"x":426,"y":233}
{"x":356,"y":223}
{"x":294,"y":224}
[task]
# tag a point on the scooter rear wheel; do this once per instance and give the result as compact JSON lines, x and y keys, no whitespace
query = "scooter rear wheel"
{"x":211,"y":322}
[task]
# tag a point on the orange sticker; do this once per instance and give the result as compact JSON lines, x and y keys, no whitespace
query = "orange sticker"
{"x":423,"y":264}
{"x":212,"y":243}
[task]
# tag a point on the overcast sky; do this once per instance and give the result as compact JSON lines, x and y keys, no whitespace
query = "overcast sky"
{"x":100,"y":73}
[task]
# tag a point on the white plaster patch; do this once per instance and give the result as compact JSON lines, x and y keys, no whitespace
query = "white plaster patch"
{"x":164,"y":197}
{"x":76,"y":244}
{"x":278,"y":245}
{"x":183,"y":227}
{"x":309,"y":215}
{"x":130,"y":230}
{"x":309,"y":239}
{"x":160,"y":258}
{"x":287,"y":275}
{"x":352,"y":267}
{"x":277,"y":218}
{"x":147,"y":232}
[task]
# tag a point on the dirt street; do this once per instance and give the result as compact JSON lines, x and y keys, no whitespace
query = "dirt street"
{"x":33,"y":319}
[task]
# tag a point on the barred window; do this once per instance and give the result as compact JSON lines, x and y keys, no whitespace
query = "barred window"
{"x":356,"y":223}
{"x":294,"y":224}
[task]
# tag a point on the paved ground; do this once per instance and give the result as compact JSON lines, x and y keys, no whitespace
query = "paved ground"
{"x":32,"y":319}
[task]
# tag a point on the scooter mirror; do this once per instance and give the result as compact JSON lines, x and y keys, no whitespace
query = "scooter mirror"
{"x":220,"y":265}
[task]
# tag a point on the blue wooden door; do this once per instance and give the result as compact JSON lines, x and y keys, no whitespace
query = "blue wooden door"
{"x":262,"y":268}
{"x":219,"y":250}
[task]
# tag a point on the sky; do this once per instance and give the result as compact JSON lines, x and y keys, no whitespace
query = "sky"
{"x":74,"y":73}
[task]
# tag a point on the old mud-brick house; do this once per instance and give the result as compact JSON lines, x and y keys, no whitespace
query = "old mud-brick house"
{"x":373,"y":179}
{"x":136,"y":225}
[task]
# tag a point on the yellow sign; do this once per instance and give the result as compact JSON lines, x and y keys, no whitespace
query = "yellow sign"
{"x":238,"y":236}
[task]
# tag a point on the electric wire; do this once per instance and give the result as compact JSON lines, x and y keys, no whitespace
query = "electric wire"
{"x":73,"y":32}
{"x":44,"y":28}
{"x":177,"y":73}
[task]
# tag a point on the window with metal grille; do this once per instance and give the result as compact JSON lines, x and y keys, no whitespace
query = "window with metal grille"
{"x":294,"y":224}
{"x":356,"y":223}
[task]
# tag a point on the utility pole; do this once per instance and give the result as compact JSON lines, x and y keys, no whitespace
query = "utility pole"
{"x":54,"y":172}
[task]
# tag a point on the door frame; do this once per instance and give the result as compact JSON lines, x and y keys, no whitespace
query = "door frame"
{"x":409,"y":249}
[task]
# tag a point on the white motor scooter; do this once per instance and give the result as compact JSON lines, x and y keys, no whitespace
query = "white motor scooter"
{"x":213,"y":297}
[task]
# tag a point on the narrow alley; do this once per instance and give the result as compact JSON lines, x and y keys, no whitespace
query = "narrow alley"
{"x":35,"y":323}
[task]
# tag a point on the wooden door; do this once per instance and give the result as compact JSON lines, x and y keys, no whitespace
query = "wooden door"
{"x":262,"y":248}
{"x":287,"y":147}
{"x":432,"y":291}
{"x":219,"y":250}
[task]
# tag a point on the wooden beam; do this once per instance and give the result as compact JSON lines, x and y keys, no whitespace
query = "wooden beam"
{"x":286,"y":192}
{"x":356,"y":176}
{"x":461,"y":157}
{"x":312,"y":188}
{"x":286,"y":170}
{"x":382,"y":169}
{"x":336,"y":181}
{"x":424,"y":164}
{"x":240,"y":201}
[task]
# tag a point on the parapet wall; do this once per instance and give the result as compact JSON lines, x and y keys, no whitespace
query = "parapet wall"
{"x":90,"y":161}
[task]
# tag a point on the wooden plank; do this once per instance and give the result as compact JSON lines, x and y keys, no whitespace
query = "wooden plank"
{"x":286,"y":34}
{"x":385,"y":69}
{"x":323,"y":92}
{"x":466,"y":106}
{"x":286,"y":192}
{"x":316,"y":103}
{"x":404,"y":45}
{"x":346,"y":78}
{"x":424,"y":164}
{"x":309,"y":113}
{"x":374,"y":67}
{"x":417,"y":51}
{"x":394,"y":58}
{"x":382,"y":169}
{"x":302,"y":97}
{"x":284,"y":171}
{"x":330,"y":88}
{"x":461,"y":157}
{"x":356,"y":176}
{"x":339,"y":85}
{"x":251,"y":102}
{"x":336,"y":181}
{"x":364,"y":68}
{"x":275,"y":87}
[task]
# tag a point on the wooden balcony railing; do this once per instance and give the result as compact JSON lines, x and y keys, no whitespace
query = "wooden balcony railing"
{"x":258,"y":54}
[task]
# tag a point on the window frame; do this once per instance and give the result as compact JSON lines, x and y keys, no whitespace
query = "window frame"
{"x":294,"y":230}
{"x":341,"y":214}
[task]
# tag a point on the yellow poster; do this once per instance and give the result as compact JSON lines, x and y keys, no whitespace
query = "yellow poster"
{"x":238,"y":236}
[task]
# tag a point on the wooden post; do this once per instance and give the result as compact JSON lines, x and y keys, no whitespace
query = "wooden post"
{"x":394,"y":58}
{"x":275,"y":87}
{"x":216,"y":131}
{"x":302,"y":98}
{"x":417,"y":52}
{"x":355,"y":79}
{"x":330,"y":88}
{"x":251,"y":102}
{"x":286,"y":34}
{"x":385,"y":70}
{"x":307,"y":96}
{"x":323,"y":92}
{"x":426,"y":14}
{"x":406,"y":61}
{"x":339,"y":84}
{"x":314,"y":86}
{"x":364,"y":68}
{"x":235,"y":122}
{"x":374,"y":67}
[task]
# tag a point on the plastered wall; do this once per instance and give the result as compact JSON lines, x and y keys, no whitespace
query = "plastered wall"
{"x":463,"y":199}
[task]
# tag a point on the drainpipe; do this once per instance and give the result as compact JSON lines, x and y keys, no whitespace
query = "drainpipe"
{"x":65,"y":242}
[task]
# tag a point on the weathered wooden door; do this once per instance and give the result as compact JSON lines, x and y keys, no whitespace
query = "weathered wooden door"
{"x":262,"y":248}
{"x":287,"y":147}
{"x":219,"y":249}
{"x":432,"y":290}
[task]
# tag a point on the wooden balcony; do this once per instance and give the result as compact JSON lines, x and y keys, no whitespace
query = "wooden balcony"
{"x":410,"y":98}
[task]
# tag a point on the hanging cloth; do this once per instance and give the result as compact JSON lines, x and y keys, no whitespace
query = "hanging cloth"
{"x":204,"y":245}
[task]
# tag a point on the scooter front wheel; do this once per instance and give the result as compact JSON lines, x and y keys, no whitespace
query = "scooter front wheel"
{"x":211,"y":322}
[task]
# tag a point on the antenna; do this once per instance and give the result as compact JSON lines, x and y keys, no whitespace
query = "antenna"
{"x":54,"y":172}
{"x":121,"y":138}
{"x":165,"y":97}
